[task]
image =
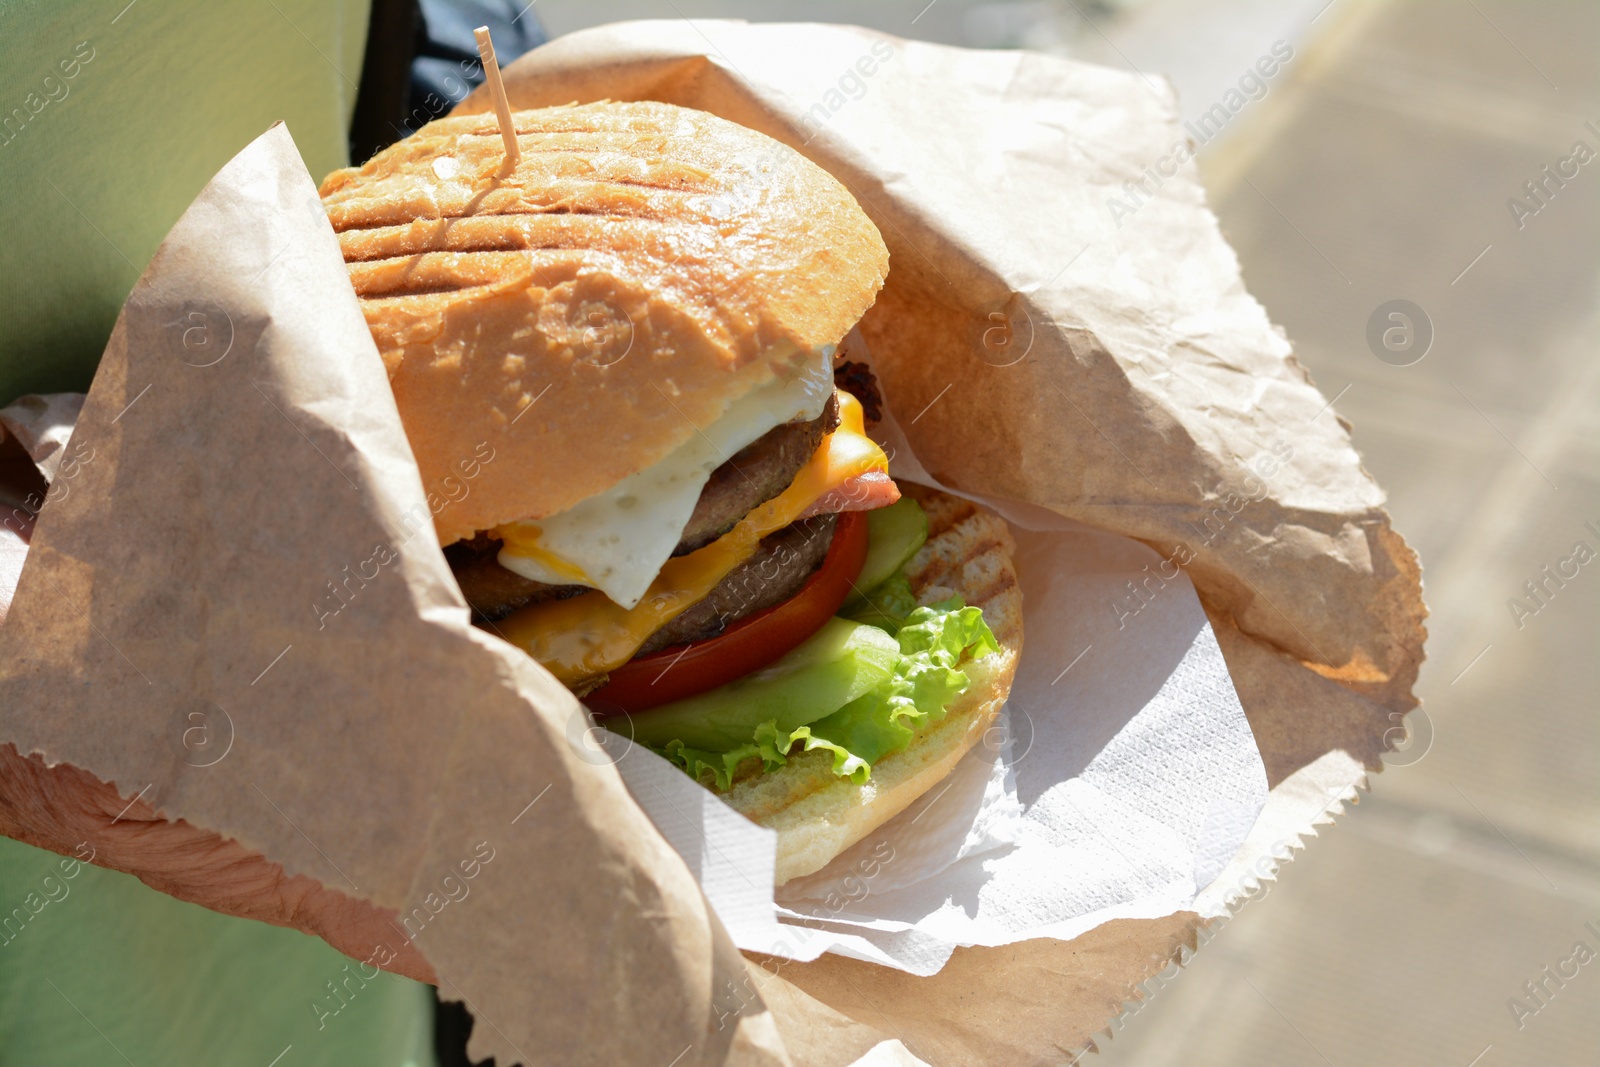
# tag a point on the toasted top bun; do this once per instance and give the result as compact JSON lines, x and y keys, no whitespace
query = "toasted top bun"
{"x":641,"y":268}
{"x":817,"y":814}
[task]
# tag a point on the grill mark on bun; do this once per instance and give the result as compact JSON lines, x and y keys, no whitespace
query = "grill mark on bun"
{"x":715,"y":257}
{"x":390,"y":256}
{"x":1004,"y":582}
{"x":555,"y":211}
{"x":545,"y":231}
{"x":944,"y":511}
{"x":432,"y":272}
{"x":417,"y":302}
{"x":422,"y":258}
{"x":982,"y":541}
{"x":579,"y":199}
{"x":969,"y":550}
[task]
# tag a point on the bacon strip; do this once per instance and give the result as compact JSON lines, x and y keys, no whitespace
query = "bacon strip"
{"x":864,"y":492}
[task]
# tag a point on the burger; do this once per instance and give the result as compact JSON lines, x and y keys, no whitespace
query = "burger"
{"x":624,"y":366}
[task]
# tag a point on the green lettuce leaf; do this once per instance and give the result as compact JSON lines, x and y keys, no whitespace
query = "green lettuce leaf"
{"x":887,"y":604}
{"x":926,"y":677}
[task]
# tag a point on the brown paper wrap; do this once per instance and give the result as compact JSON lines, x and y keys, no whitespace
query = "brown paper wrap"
{"x":247,"y":460}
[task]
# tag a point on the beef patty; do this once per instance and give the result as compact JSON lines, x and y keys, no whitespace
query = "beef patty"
{"x":492,"y":591}
{"x":755,"y":474}
{"x":780,"y":566}
{"x":775,"y":573}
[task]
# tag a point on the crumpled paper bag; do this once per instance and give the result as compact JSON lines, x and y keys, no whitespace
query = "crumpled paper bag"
{"x":1036,"y":352}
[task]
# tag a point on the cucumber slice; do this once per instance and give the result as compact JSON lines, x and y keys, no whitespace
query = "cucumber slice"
{"x":894,"y":534}
{"x":816,"y":678}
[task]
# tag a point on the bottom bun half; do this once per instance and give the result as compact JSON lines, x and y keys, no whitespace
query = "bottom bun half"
{"x":818,"y":815}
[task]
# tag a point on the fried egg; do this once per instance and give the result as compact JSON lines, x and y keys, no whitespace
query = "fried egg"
{"x":617,"y":540}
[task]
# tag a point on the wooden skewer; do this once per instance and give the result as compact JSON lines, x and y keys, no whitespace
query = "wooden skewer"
{"x":497,"y":89}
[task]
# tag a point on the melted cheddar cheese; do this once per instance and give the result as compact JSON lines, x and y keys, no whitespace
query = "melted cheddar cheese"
{"x":588,"y":635}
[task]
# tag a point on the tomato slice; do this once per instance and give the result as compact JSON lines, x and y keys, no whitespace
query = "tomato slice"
{"x":747,"y":645}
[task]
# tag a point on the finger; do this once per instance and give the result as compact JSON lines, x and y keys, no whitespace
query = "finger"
{"x":362,"y":931}
{"x":69,"y":811}
{"x":13,"y":550}
{"x":20,"y":496}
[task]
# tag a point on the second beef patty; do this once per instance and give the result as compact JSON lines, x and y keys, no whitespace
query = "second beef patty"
{"x":754,"y":475}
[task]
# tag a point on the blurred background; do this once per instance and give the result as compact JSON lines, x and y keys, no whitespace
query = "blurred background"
{"x":1422,"y":151}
